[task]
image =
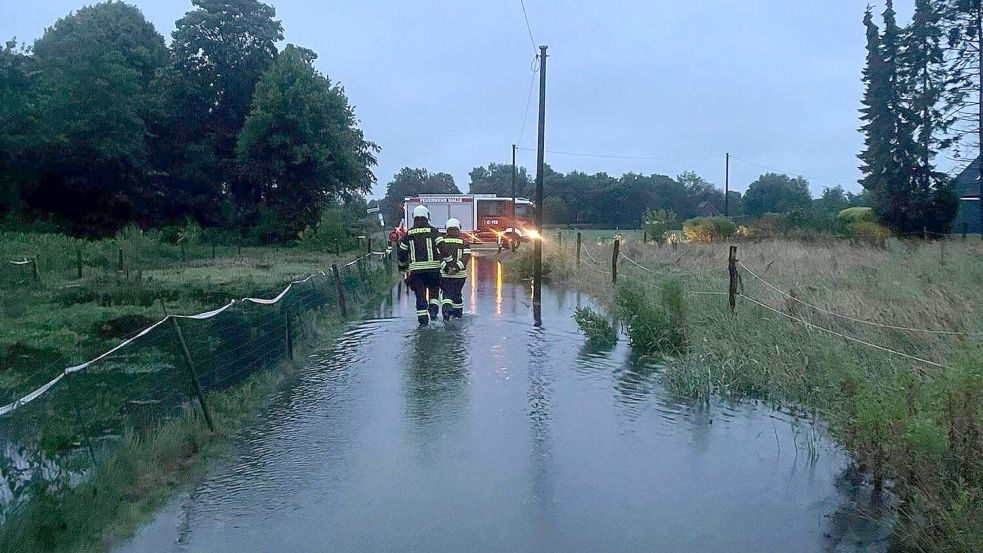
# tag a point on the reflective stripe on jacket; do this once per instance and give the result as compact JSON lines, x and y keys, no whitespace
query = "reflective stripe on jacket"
{"x":456,"y":253}
{"x":419,"y":250}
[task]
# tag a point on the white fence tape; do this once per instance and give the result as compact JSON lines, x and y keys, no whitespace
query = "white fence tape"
{"x":25,"y":262}
{"x":11,"y":407}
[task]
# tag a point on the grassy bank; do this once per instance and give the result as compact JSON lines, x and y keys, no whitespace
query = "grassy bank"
{"x":52,"y":319}
{"x":133,"y":410}
{"x":915,"y":424}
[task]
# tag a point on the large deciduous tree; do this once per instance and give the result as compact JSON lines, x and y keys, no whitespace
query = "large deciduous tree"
{"x":97,"y":69}
{"x":300,"y":147}
{"x":774,"y":193}
{"x":497,"y":179}
{"x":19,"y":122}
{"x":221,"y":49}
{"x":411,"y":182}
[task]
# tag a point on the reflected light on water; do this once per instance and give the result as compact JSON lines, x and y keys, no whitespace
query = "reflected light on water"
{"x":474,"y":287}
{"x":498,"y":287}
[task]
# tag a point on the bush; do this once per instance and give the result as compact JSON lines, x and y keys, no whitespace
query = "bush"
{"x":653,"y":328}
{"x":708,"y":229}
{"x":857,"y":215}
{"x":868,"y":232}
{"x":659,"y":223}
{"x":600,"y":333}
{"x":769,"y":225}
{"x":330,"y":229}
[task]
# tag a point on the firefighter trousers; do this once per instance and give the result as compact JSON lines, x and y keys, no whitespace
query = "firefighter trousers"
{"x":452,"y":297}
{"x":426,"y":286}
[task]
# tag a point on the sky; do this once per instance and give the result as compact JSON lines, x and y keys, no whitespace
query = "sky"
{"x":443,"y":84}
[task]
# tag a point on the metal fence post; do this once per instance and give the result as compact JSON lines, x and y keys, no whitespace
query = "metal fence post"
{"x":193,"y":373}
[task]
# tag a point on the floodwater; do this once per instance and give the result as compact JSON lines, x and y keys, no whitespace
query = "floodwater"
{"x":492,"y":434}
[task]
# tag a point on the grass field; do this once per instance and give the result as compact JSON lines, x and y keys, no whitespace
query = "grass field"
{"x":94,"y":455}
{"x":816,"y":336}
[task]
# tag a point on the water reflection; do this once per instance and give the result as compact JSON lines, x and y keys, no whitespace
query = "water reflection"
{"x":491,"y":434}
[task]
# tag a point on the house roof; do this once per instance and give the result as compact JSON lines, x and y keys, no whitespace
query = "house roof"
{"x":968,"y":183}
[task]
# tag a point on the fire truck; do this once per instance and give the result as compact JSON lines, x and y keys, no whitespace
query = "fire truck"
{"x":485,"y":218}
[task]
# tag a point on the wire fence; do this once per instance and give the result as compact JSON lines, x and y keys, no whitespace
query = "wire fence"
{"x":69,"y":424}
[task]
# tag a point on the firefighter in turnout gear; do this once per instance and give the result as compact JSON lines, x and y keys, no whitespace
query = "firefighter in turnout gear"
{"x":419,"y":256}
{"x":456,"y":252}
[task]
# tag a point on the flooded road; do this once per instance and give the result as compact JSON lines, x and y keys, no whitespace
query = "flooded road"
{"x":490,"y":434}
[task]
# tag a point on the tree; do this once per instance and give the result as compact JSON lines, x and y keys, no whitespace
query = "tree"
{"x":833,"y":200}
{"x":97,"y":67}
{"x":19,"y":122}
{"x":964,"y":98}
{"x":221,"y":50}
{"x":497,"y":179}
{"x":774,"y":193}
{"x":300,"y":147}
{"x":412,"y":182}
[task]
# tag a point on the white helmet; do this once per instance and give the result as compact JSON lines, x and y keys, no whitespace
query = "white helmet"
{"x":421,"y":211}
{"x":453,"y":223}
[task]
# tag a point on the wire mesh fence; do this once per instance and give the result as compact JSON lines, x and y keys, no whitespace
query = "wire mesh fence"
{"x":54,"y":432}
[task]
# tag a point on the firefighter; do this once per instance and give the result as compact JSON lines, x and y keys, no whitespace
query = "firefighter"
{"x":419,"y":256}
{"x":456,"y":252}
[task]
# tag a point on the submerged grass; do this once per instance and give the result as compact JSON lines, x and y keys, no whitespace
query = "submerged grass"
{"x":121,"y":493}
{"x":908,"y":423}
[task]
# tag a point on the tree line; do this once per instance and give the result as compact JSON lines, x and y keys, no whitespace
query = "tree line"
{"x":102,"y":125}
{"x":578,"y":198}
{"x":922,"y":91}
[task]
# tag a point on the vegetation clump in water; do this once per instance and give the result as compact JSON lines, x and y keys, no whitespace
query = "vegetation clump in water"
{"x":600,"y":333}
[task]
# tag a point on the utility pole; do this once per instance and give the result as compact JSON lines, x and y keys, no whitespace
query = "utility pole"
{"x":727,"y":186}
{"x":537,"y":278}
{"x":512,"y":224}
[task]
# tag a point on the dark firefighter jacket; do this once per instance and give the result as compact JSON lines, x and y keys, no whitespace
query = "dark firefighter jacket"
{"x":419,"y":250}
{"x":456,"y":252}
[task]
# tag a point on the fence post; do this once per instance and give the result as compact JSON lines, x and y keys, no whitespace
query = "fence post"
{"x":924,"y":233}
{"x":368,"y":244}
{"x":78,"y":419}
{"x":120,"y":267}
{"x":965,"y":230}
{"x":337,"y":248}
{"x":78,"y":259}
{"x":288,"y":338}
{"x":645,"y":236}
{"x":213,"y":252}
{"x":341,"y":293}
{"x":732,"y":269}
{"x":614,"y":261}
{"x":559,"y":238}
{"x":193,"y":373}
{"x":579,"y":241}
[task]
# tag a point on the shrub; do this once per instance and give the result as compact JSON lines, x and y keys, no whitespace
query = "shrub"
{"x":857,"y":215}
{"x":708,"y":229}
{"x":869,"y":232}
{"x":659,"y":223}
{"x":329,"y":229}
{"x":653,"y":328}
{"x":600,"y":333}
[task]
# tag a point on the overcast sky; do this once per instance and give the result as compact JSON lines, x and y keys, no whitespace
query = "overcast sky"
{"x":443,"y":84}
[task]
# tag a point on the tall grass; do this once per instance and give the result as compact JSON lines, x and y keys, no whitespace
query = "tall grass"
{"x":907,"y":422}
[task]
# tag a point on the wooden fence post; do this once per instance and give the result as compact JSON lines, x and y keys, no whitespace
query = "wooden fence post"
{"x":213,"y":252}
{"x":337,"y":248}
{"x":195,"y":383}
{"x":559,"y":238}
{"x":78,"y":259}
{"x":614,"y":260}
{"x":341,"y":293}
{"x":120,"y":268}
{"x":732,"y":269}
{"x":579,"y":240}
{"x":368,"y":244}
{"x":645,"y":236}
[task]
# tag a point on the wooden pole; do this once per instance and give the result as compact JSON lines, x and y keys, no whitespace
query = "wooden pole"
{"x":337,"y":247}
{"x":732,"y":269}
{"x":645,"y":236}
{"x":579,"y":241}
{"x":341,"y":293}
{"x":966,"y":229}
{"x":193,"y":373}
{"x":213,"y":252}
{"x":120,"y":268}
{"x":614,"y":260}
{"x":559,"y":238}
{"x":537,"y":255}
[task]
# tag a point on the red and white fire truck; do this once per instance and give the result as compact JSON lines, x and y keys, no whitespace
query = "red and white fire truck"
{"x":486,"y":218}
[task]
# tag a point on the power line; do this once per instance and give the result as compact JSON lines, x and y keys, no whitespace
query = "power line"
{"x":528,"y":27}
{"x":762,"y":166}
{"x":525,"y":117}
{"x":619,"y":156}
